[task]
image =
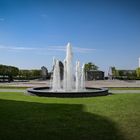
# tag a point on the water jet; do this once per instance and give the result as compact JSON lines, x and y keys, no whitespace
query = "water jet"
{"x":72,"y":85}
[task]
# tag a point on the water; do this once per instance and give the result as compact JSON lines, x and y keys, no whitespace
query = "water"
{"x":56,"y":85}
{"x":68,"y":69}
{"x":78,"y":76}
{"x":83,"y":77}
{"x":68,"y":83}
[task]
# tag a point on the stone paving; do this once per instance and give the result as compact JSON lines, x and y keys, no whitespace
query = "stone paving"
{"x":113,"y":83}
{"x":33,"y":83}
{"x":98,"y":83}
{"x":124,"y":91}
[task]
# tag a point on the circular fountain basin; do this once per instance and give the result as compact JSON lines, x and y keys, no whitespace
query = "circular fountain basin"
{"x":88,"y":92}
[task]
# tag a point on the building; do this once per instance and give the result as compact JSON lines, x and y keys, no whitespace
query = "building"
{"x":94,"y":75}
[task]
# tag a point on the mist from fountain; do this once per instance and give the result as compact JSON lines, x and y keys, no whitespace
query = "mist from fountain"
{"x":68,"y":83}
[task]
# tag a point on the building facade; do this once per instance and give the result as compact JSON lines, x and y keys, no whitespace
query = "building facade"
{"x":94,"y":75}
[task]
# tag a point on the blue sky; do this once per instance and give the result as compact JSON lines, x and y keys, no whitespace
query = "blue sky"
{"x":105,"y":32}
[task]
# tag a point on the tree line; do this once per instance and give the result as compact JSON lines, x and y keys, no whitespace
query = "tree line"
{"x":9,"y":73}
{"x":126,"y":74}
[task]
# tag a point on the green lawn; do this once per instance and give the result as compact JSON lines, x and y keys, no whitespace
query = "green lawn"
{"x":114,"y":117}
{"x":124,"y":88}
{"x":12,"y":87}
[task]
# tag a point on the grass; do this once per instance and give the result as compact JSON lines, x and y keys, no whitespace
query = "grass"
{"x":12,"y":87}
{"x":114,"y":117}
{"x":124,"y":88}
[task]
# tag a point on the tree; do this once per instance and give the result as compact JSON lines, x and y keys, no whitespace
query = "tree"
{"x":127,"y":74}
{"x":36,"y":73}
{"x":12,"y":71}
{"x":114,"y":72}
{"x":138,"y":72}
{"x":90,"y":66}
{"x":29,"y":74}
{"x":25,"y":74}
{"x":8,"y":71}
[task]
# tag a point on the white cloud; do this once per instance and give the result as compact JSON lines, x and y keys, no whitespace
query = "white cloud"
{"x":56,"y":48}
{"x":83,"y":50}
{"x":50,"y":48}
{"x":75,"y":49}
{"x":21,"y":48}
{"x":15,"y":48}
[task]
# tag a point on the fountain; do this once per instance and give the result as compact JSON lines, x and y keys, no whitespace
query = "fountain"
{"x":68,"y":83}
{"x":72,"y":85}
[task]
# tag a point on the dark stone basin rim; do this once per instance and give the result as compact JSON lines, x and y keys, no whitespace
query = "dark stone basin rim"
{"x":98,"y":92}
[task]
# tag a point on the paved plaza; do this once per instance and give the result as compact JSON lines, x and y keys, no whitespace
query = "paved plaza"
{"x":113,"y":83}
{"x":97,"y":83}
